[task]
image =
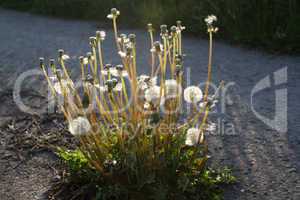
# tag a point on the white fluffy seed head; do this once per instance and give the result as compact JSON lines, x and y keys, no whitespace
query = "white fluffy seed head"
{"x":59,"y":87}
{"x":210,"y":19}
{"x":65,"y":57}
{"x":172,"y":88}
{"x":192,"y":94}
{"x":152,"y":95}
{"x":79,"y":126}
{"x":118,"y":73}
{"x":192,"y":136}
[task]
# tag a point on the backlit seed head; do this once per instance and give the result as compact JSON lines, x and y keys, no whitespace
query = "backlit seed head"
{"x":100,"y":35}
{"x":79,"y":126}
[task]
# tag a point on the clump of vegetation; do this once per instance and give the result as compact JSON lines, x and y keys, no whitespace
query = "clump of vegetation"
{"x":134,"y":141}
{"x":83,"y":181}
{"x":271,"y":24}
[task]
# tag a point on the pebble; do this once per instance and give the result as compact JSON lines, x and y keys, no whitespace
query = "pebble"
{"x":291,"y":170}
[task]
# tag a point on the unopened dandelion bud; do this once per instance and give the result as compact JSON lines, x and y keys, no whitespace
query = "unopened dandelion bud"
{"x":178,"y":69}
{"x":61,"y":52}
{"x":179,"y":23}
{"x":110,"y":84}
{"x":89,"y":78}
{"x":52,"y":62}
{"x":128,"y":50}
{"x":41,"y":61}
{"x":98,"y":34}
{"x":114,"y":11}
{"x":123,"y":36}
{"x":81,"y":59}
{"x":107,"y":66}
{"x":93,"y":41}
{"x":132,"y":38}
{"x":164,"y":29}
{"x":114,"y":81}
{"x":58,"y":73}
{"x":119,"y":67}
{"x":89,"y":55}
{"x":157,"y":46}
{"x":150,"y":27}
{"x":173,"y":29}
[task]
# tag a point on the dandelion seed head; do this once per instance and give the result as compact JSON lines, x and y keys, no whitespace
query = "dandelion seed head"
{"x":146,"y":105}
{"x":192,"y":136}
{"x":59,"y":87}
{"x":65,"y":57}
{"x":110,"y":16}
{"x":210,"y":19}
{"x":79,"y":126}
{"x":173,"y":89}
{"x":152,"y":95}
{"x":192,"y":94}
{"x":122,"y":54}
{"x":85,"y":60}
{"x":118,"y":87}
{"x":157,"y":47}
{"x":101,"y":35}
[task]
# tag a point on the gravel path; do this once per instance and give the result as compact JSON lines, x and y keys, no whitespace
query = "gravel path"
{"x":266,"y":162}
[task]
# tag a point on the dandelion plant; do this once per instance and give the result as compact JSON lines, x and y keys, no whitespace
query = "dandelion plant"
{"x":131,"y":127}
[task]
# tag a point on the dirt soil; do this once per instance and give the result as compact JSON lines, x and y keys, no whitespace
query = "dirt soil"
{"x":265,"y":161}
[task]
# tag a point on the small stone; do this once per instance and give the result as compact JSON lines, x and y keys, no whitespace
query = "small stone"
{"x":292,"y":170}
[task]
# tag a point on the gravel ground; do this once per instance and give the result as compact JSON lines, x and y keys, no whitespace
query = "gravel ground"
{"x":266,"y":162}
